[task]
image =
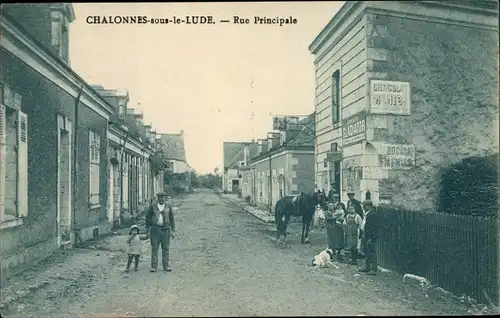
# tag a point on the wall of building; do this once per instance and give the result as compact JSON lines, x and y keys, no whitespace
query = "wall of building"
{"x":88,"y":218}
{"x":40,"y":99}
{"x":296,"y":168}
{"x":180,"y":166}
{"x":453,"y":93}
{"x":229,"y":176}
{"x":301,"y":166}
{"x":453,"y":72}
{"x":247,"y":183}
{"x":34,"y":18}
{"x":43,"y":99}
{"x":345,"y":51}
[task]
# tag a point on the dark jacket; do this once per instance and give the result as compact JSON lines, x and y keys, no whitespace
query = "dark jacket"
{"x":371,"y":225}
{"x":357,"y":206}
{"x":153,"y":214}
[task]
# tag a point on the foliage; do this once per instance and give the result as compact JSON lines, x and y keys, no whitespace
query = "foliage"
{"x":470,"y":187}
{"x":209,"y":181}
{"x":160,"y":162}
{"x":195,"y":182}
{"x":133,"y":129}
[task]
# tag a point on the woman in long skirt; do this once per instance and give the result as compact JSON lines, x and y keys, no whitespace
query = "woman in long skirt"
{"x":335,"y":229}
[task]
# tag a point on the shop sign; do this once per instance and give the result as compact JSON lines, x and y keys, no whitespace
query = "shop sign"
{"x":396,"y":156}
{"x":334,"y":156}
{"x":354,"y":129}
{"x":389,"y":97}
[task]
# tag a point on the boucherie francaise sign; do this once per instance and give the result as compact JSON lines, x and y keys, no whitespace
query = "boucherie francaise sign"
{"x":354,"y":129}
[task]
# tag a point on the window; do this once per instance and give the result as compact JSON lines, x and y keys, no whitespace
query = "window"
{"x":95,"y":167}
{"x":60,"y":35}
{"x":336,"y":97}
{"x":64,"y":42}
{"x":125,"y":180}
{"x":13,"y":157}
{"x":121,"y":107}
{"x":140,"y":181}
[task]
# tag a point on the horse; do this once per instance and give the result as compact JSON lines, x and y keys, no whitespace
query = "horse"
{"x":303,"y":205}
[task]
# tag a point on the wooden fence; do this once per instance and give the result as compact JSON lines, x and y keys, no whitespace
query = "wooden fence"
{"x":456,"y":252}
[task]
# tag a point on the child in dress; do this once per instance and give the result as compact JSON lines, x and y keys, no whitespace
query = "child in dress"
{"x":134,"y":246}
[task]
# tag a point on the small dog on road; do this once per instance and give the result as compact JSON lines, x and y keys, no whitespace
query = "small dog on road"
{"x":323,"y":259}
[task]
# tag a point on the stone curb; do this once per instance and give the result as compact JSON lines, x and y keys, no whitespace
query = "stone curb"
{"x":248,"y":210}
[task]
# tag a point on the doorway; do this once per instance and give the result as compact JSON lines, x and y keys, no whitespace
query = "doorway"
{"x":235,"y":186}
{"x":111,"y":196}
{"x":64,"y":178}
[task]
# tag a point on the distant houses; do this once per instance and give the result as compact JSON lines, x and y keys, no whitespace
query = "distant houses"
{"x":282,"y":164}
{"x":74,"y":160}
{"x":236,"y":156}
{"x":179,"y":171}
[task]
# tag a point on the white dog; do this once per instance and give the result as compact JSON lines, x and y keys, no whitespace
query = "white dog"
{"x":323,"y":259}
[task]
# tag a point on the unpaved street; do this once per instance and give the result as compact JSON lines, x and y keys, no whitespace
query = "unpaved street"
{"x":224,"y":263}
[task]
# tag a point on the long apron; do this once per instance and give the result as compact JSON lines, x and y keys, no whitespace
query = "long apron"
{"x":351,"y":232}
{"x":335,"y":235}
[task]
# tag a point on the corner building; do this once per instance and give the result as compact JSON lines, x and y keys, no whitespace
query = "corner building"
{"x":403,"y":90}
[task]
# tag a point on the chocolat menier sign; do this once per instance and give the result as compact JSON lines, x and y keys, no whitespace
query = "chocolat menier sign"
{"x":389,"y":97}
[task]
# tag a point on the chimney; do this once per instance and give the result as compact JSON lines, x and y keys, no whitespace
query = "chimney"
{"x":273,"y":139}
{"x":283,"y":137}
{"x":61,"y":15}
{"x":182,"y":132}
{"x":263,"y":146}
{"x":245,"y":155}
{"x":118,"y":98}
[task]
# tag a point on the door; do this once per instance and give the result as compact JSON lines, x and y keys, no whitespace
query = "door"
{"x":111,"y":196}
{"x":64,"y":181}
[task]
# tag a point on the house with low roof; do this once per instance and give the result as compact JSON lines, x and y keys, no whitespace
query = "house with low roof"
{"x":236,"y":156}
{"x":57,"y":184}
{"x":283,"y":166}
{"x":179,"y":170}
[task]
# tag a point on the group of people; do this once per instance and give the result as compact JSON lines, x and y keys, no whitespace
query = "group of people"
{"x":351,"y":227}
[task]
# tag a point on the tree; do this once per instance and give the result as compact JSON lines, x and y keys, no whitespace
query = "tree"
{"x":159,"y":161}
{"x":195,"y":182}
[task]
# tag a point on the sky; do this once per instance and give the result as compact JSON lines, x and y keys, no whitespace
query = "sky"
{"x":217,"y":83}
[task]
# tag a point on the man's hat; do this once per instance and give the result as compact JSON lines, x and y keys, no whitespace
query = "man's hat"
{"x":350,"y":191}
{"x":336,"y":195}
{"x":161,"y":194}
{"x":368,"y":202}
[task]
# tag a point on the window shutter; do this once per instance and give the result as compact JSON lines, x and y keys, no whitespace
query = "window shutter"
{"x":22,"y":194}
{"x":91,"y":145}
{"x":91,"y":158}
{"x":97,"y":148}
{"x":2,"y":158}
{"x":125,"y":180}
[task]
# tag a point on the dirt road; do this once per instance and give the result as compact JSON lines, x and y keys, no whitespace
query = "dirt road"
{"x":224,"y":263}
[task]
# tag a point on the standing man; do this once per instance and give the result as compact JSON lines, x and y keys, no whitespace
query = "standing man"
{"x":331,"y":193}
{"x":161,"y":226}
{"x":369,"y":234}
{"x":354,"y":203}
